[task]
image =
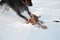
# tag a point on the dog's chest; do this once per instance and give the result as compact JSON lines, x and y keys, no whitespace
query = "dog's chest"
{"x":22,"y":7}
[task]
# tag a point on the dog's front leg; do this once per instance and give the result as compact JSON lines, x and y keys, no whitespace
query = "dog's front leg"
{"x":15,"y":7}
{"x":29,"y":13}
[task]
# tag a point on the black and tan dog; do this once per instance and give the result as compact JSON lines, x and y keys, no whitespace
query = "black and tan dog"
{"x":19,"y":6}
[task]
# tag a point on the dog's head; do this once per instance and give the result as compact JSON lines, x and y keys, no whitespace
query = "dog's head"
{"x":28,"y":2}
{"x":34,"y":18}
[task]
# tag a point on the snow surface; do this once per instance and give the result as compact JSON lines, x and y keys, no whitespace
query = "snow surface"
{"x":13,"y":27}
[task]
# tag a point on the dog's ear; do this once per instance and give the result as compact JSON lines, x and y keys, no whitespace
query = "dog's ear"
{"x":37,"y":17}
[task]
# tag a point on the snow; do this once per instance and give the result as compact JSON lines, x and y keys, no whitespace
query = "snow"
{"x":13,"y":27}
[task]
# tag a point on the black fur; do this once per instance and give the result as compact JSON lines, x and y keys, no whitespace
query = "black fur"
{"x":18,"y":6}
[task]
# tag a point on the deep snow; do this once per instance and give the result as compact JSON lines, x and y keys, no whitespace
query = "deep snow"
{"x":12,"y":27}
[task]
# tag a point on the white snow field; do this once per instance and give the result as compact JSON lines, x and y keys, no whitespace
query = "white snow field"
{"x":13,"y":27}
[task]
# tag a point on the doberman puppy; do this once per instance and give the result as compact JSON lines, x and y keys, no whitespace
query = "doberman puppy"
{"x":19,"y":6}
